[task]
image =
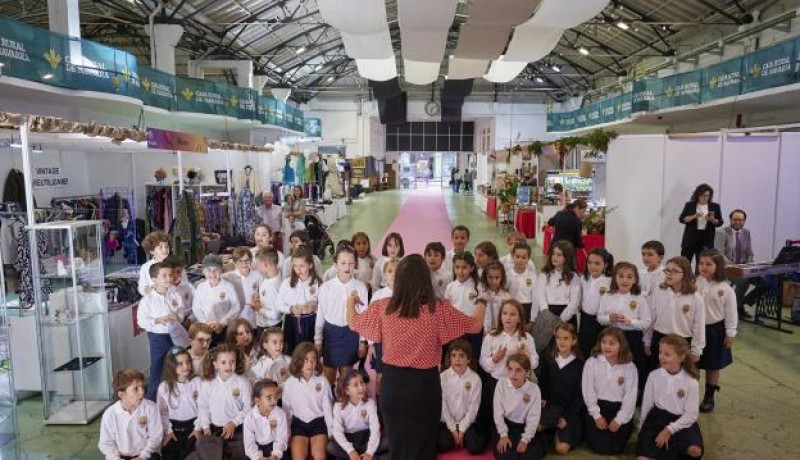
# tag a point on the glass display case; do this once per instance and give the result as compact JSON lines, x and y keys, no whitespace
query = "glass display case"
{"x":579,"y":187}
{"x":8,"y":401}
{"x":73,"y":322}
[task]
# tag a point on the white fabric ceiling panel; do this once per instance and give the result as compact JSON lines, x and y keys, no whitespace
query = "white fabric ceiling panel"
{"x":532,"y":43}
{"x":460,"y":69}
{"x":377,"y":69}
{"x":501,"y":12}
{"x":503,"y":71}
{"x":354,"y":16}
{"x":368,"y":46}
{"x":477,"y":41}
{"x":423,"y":45}
{"x":565,"y":14}
{"x":420,"y":73}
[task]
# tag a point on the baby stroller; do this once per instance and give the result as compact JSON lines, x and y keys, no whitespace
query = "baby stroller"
{"x":319,"y":240}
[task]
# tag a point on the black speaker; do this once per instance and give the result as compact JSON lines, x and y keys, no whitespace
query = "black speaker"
{"x":451,"y":110}
{"x":385,"y":89}
{"x":393,"y":110}
{"x":456,"y":89}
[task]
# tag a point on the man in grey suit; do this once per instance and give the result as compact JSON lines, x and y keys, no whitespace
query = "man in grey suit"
{"x":736,"y":247}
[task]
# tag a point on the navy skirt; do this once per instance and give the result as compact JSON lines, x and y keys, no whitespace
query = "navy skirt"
{"x":588,"y":333}
{"x":535,"y":450}
{"x":296,"y":330}
{"x":339,"y":346}
{"x":571,"y":434}
{"x":679,"y":443}
{"x":605,"y":442}
{"x":715,"y":355}
{"x":313,"y":428}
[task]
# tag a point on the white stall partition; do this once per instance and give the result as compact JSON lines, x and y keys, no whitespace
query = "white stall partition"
{"x":634,"y":188}
{"x":749,"y":182}
{"x":787,"y":223}
{"x":688,"y":162}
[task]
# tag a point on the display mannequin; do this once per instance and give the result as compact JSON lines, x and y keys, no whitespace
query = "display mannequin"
{"x":288,"y":172}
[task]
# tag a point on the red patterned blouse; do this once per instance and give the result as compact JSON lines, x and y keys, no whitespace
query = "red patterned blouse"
{"x":413,"y":342}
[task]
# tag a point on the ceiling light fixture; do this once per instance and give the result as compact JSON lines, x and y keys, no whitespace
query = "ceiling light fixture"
{"x":555,"y":68}
{"x":539,"y":80}
{"x":300,"y":50}
{"x":623,"y":25}
{"x":583,"y":51}
{"x":330,"y":79}
{"x":47,"y":76}
{"x":318,"y":67}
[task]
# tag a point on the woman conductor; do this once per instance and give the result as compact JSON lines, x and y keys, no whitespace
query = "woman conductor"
{"x":700,"y":217}
{"x":413,"y":326}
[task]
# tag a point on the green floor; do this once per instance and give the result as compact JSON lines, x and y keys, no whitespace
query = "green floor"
{"x":758,"y":410}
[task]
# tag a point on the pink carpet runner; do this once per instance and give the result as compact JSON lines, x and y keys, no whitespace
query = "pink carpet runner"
{"x":422,"y":219}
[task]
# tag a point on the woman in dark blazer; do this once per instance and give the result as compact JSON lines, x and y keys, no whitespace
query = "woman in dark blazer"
{"x":700,"y":217}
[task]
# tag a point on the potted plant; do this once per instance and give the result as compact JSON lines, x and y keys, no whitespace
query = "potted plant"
{"x":594,"y":222}
{"x":536,"y":148}
{"x":507,"y":195}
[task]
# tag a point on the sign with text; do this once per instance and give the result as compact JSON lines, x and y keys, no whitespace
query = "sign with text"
{"x":162,"y":139}
{"x":769,"y":67}
{"x":49,"y":175}
{"x":722,"y":80}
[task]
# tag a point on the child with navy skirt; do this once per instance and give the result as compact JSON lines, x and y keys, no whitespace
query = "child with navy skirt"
{"x":517,"y":409}
{"x":609,"y":385}
{"x":356,"y":427}
{"x":595,"y":283}
{"x":463,"y":293}
{"x":722,"y":318}
{"x":297,"y":298}
{"x":669,"y":426}
{"x":308,"y":402}
{"x":385,"y":292}
{"x":340,"y":346}
{"x":560,"y":382}
{"x":626,"y":307}
{"x":266,"y":434}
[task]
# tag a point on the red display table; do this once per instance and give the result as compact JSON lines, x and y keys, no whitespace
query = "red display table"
{"x":590,"y":242}
{"x":526,"y":222}
{"x":491,"y":207}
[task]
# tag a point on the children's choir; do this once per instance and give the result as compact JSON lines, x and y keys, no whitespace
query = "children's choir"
{"x":615,"y":337}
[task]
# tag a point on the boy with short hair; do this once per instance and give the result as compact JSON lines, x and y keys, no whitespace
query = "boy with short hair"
{"x":246,"y":281}
{"x":159,"y":313}
{"x":215,"y":300}
{"x":157,"y":245}
{"x":131,"y":428}
{"x":508,"y":260}
{"x":461,"y":394}
{"x":459,"y":235}
{"x":652,"y":275}
{"x":266,"y":308}
{"x":522,"y":279}
{"x":181,"y":282}
{"x":440,"y":277}
{"x":199,"y":343}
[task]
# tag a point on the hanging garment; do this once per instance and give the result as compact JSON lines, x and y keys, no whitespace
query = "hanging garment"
{"x":332,"y":181}
{"x":185,"y":230}
{"x":14,"y":189}
{"x":27,"y":299}
{"x":276,"y":193}
{"x":311,"y":169}
{"x":300,"y":169}
{"x":246,"y":216}
{"x":288,"y":172}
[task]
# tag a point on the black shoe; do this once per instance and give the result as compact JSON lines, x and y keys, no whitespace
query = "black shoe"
{"x":744,"y":315}
{"x":708,"y":401}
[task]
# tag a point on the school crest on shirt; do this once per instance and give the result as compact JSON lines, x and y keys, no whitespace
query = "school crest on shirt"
{"x":312,"y":290}
{"x":236,"y":392}
{"x":467,"y":386}
{"x":620,"y":380}
{"x":186,"y":297}
{"x":686,"y":308}
{"x":529,"y":282}
{"x":721,"y":292}
{"x":681,"y":393}
{"x":363,"y":414}
{"x":255,"y":286}
{"x":526,"y":398}
{"x":440,"y":283}
{"x":371,"y":264}
{"x":222,"y":296}
{"x":194,"y":395}
{"x":143,"y":420}
{"x":273,"y":424}
{"x":633,"y":305}
{"x":603,"y":290}
{"x":283,"y":372}
{"x":263,"y":293}
{"x":473,"y":295}
{"x":174,"y":303}
{"x":318,"y":387}
{"x":521,"y":347}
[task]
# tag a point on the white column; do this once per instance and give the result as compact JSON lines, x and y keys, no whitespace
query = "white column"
{"x":64,"y":17}
{"x":242,"y":68}
{"x":258,"y":82}
{"x":165,"y":37}
{"x":281,"y":94}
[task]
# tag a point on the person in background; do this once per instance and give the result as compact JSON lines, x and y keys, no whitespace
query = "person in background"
{"x":700,"y":217}
{"x":272,"y":216}
{"x":157,"y":245}
{"x":563,"y":197}
{"x":736,"y":247}
{"x":568,"y":224}
{"x":458,"y":179}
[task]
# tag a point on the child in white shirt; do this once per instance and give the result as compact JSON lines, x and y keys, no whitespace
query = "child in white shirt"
{"x":299,"y":239}
{"x":156,"y":244}
{"x":356,"y":428}
{"x":517,"y":409}
{"x":131,"y":427}
{"x":266,"y":430}
{"x":177,"y":404}
{"x":365,"y":265}
{"x":595,"y":284}
{"x":463,"y":294}
{"x":440,"y":277}
{"x":297,"y":299}
{"x":652,"y":275}
{"x":264,"y":236}
{"x":522,"y":280}
{"x":493,"y":289}
{"x":461,"y":401}
{"x":215,"y":301}
{"x":265,"y":308}
{"x":246,"y":281}
{"x":183,"y":286}
{"x":223,"y":402}
{"x":513,"y":239}
{"x":272,"y":363}
{"x":459,"y":235}
{"x":392,"y":248}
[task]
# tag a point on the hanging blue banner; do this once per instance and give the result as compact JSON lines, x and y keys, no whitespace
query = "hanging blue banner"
{"x":313,"y":127}
{"x":769,"y":67}
{"x":647,"y":94}
{"x":722,"y":80}
{"x":681,"y":89}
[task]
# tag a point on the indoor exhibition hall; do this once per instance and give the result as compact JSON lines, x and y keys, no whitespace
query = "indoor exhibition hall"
{"x":399,"y":229}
